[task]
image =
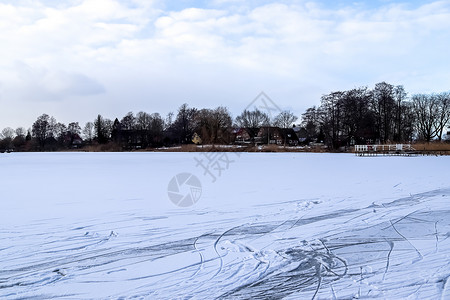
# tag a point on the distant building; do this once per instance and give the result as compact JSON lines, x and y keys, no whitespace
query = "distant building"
{"x":196,"y":139}
{"x":73,"y":140}
{"x":290,"y":136}
{"x":242,"y":136}
{"x":277,"y":136}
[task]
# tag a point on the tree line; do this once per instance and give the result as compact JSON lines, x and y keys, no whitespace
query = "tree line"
{"x":384,"y":114}
{"x":361,"y":115}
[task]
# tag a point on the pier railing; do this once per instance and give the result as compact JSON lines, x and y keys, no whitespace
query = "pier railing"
{"x":392,"y":149}
{"x":374,"y":148}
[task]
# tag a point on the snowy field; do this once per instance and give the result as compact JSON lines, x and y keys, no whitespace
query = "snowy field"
{"x":266,"y":226}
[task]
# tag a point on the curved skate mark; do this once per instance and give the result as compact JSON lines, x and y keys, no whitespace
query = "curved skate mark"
{"x":391,"y":245}
{"x":60,"y":272}
{"x":277,"y":227}
{"x":233,"y":274}
{"x":261,"y":274}
{"x":437,"y":235}
{"x":201,"y":258}
{"x":325,"y":246}
{"x":154,"y":293}
{"x":332,"y":292}
{"x":302,"y":270}
{"x":79,"y":228}
{"x":34,"y":282}
{"x":177,"y":284}
{"x":163,"y":273}
{"x":249,"y":277}
{"x":360,"y":281}
{"x":298,"y":220}
{"x":404,"y":217}
{"x":171,"y":271}
{"x":338,"y":276}
{"x":272,"y":229}
{"x":78,"y":238}
{"x":116,"y":271}
{"x":34,"y":267}
{"x":444,"y":281}
{"x":319,"y":218}
{"x":358,"y":216}
{"x":217,"y":251}
{"x":319,"y":276}
{"x":332,"y":255}
{"x":418,"y":252}
{"x":416,"y":197}
{"x":167,"y":249}
{"x":445,"y":292}
{"x":319,"y":267}
{"x":249,"y":229}
{"x":84,"y":247}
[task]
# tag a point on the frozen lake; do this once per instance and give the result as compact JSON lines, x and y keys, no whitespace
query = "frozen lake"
{"x":263,"y":226}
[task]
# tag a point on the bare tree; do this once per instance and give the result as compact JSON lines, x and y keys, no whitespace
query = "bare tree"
{"x":88,"y":131}
{"x":330,"y":116}
{"x":52,"y":127}
{"x":204,"y":126}
{"x":383,"y":107}
{"x":156,"y":125}
{"x":310,"y":123}
{"x":426,"y":109}
{"x":252,"y":121}
{"x":19,"y":141}
{"x":108,"y":128}
{"x":128,"y":121}
{"x":8,"y":133}
{"x":185,"y":123}
{"x":220,"y":122}
{"x":74,"y":128}
{"x":42,"y":129}
{"x":60,"y":131}
{"x":213,"y":124}
{"x":20,"y":131}
{"x":168,"y":122}
{"x":73,"y":131}
{"x":443,"y":114}
{"x":285,"y":119}
{"x":399,"y":120}
{"x":154,"y":129}
{"x":143,"y":121}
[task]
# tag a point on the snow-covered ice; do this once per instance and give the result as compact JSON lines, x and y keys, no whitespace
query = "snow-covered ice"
{"x":281,"y":225}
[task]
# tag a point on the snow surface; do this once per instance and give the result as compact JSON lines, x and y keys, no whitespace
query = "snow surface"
{"x":281,"y":225}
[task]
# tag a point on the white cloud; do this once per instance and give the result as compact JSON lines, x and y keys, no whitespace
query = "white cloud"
{"x":221,"y":2}
{"x":41,"y":84}
{"x":131,"y":55}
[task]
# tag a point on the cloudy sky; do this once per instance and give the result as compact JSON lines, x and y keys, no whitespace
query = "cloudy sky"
{"x":74,"y":59}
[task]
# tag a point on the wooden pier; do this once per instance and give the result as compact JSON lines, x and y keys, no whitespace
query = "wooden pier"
{"x":388,"y":150}
{"x":396,"y":150}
